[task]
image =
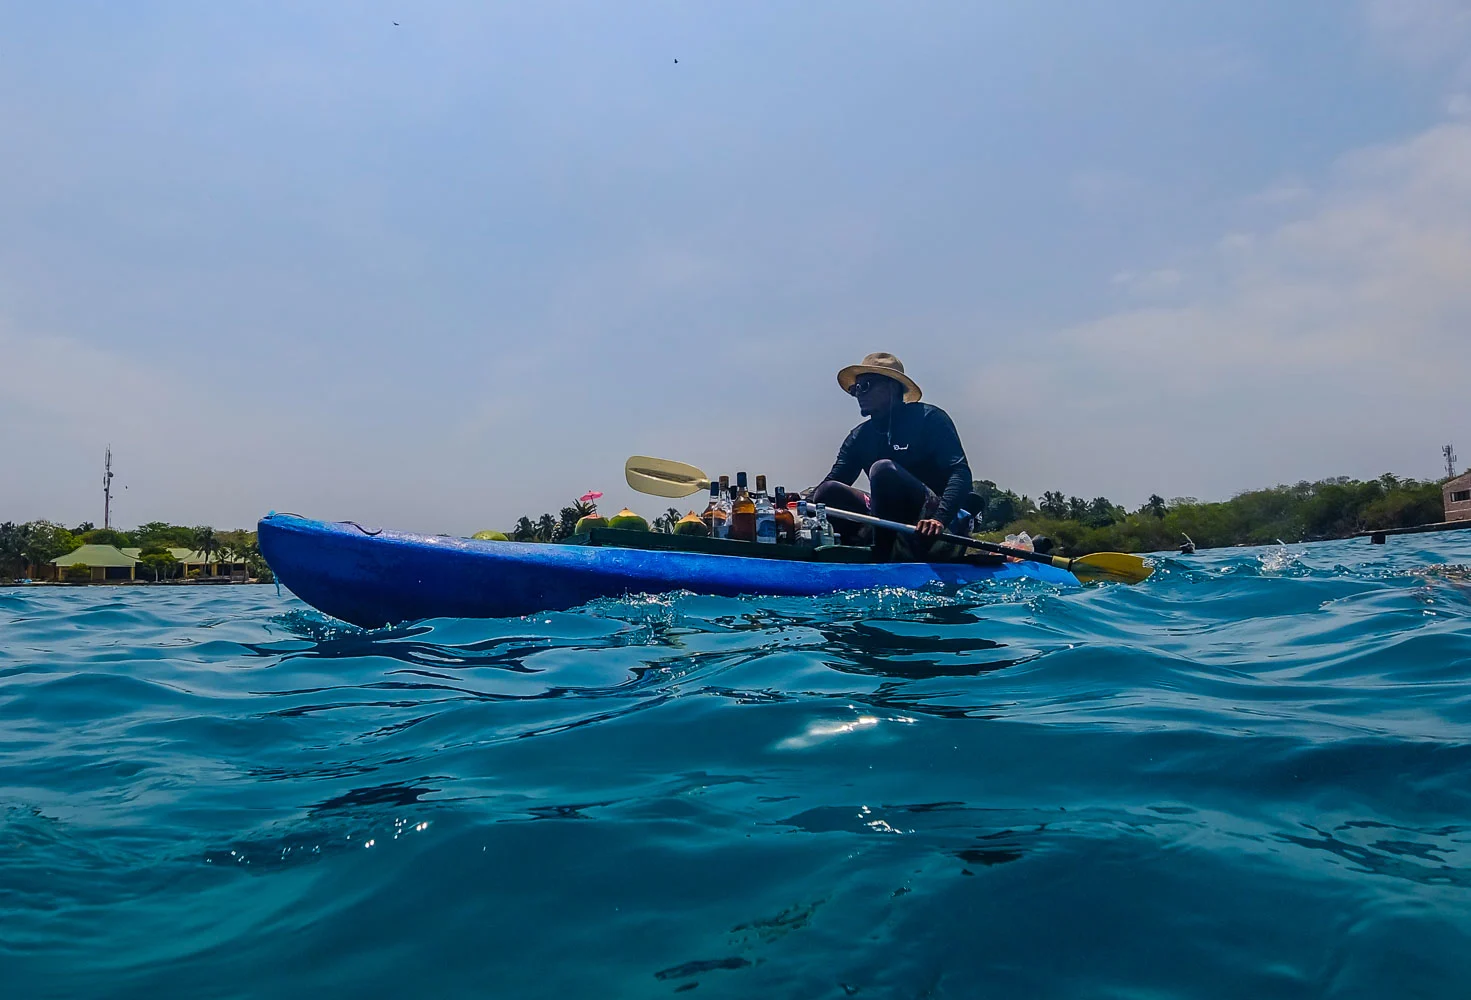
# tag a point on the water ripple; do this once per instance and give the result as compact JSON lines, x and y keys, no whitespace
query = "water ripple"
{"x":1246,"y":777}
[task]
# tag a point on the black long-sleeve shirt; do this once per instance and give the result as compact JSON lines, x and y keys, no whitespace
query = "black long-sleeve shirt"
{"x":919,"y":438}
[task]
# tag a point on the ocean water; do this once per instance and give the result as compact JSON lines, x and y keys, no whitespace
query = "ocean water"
{"x":1250,"y":776}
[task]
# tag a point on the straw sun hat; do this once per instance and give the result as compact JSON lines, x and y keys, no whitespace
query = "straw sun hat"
{"x":881,"y":363}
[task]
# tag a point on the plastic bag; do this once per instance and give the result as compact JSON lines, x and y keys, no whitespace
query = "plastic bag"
{"x":1022,"y":541}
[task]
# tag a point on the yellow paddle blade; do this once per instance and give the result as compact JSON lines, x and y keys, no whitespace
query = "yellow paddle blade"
{"x":1120,"y":567}
{"x":662,"y":478}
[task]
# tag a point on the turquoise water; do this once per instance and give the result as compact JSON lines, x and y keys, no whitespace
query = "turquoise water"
{"x":1250,"y":776}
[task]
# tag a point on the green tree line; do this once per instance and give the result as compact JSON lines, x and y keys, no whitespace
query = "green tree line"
{"x":1307,"y":511}
{"x":1329,"y":508}
{"x":26,"y":547}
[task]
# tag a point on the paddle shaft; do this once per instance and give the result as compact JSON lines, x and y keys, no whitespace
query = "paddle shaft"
{"x":662,"y":478}
{"x":973,"y":543}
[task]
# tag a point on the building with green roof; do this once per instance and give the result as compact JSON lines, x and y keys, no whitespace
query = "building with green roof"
{"x":107,"y":562}
{"x":110,"y":564}
{"x":194,"y":561}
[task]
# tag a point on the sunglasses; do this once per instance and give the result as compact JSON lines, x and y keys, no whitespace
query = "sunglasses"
{"x":865,"y":385}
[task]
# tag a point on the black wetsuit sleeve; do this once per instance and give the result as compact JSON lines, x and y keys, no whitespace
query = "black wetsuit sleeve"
{"x":849,"y":462}
{"x":949,"y":455}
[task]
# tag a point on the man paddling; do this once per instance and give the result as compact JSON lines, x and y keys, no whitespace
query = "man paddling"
{"x":917,"y":472}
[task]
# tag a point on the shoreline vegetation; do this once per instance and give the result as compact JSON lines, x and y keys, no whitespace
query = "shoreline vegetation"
{"x":1305,"y":512}
{"x":1328,"y":509}
{"x":28,"y":547}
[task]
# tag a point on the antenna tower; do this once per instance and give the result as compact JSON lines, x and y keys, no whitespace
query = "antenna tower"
{"x":1450,"y":461}
{"x":107,"y":489}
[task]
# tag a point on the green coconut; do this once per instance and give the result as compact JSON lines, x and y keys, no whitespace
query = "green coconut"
{"x":490,"y":536}
{"x":691,"y":524}
{"x":628,"y":521}
{"x":591,"y":521}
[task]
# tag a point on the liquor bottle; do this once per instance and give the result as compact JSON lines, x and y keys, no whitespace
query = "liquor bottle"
{"x":765,"y":514}
{"x":786,"y":524}
{"x":807,"y":525}
{"x":742,"y":512}
{"x":725,"y":504}
{"x":713,"y":514}
{"x":824,"y":527}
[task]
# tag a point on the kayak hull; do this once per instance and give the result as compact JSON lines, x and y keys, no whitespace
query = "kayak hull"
{"x":372,"y":577}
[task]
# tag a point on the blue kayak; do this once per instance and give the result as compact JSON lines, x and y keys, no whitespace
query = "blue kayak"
{"x":373,"y":577}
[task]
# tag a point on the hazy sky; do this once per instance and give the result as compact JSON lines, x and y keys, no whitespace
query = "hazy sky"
{"x":442,"y":273}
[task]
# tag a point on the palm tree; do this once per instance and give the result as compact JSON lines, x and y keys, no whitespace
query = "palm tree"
{"x":239,"y":547}
{"x":206,"y":543}
{"x":671,"y":517}
{"x":546,"y":527}
{"x":524,"y":531}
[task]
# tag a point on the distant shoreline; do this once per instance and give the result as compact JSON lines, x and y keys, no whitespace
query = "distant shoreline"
{"x":134,"y":583}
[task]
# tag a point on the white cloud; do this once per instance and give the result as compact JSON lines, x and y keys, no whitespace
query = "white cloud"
{"x":1150,"y":284}
{"x":1285,"y":192}
{"x":1336,"y":342}
{"x":1431,"y":34}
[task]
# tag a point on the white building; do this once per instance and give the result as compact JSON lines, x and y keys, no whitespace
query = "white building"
{"x":1457,"y":496}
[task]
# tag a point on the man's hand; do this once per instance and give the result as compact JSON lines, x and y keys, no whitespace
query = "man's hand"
{"x":930,"y":528}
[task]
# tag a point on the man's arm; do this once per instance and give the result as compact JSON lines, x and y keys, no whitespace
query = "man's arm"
{"x":849,"y":462}
{"x":949,"y":453}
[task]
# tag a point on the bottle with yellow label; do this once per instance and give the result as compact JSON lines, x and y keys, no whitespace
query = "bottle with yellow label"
{"x":742,"y":512}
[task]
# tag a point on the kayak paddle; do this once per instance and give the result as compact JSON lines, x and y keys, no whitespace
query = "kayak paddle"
{"x":1118,"y":566}
{"x":662,"y":478}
